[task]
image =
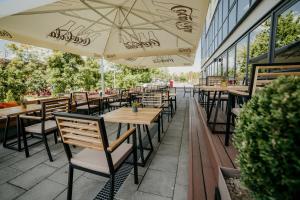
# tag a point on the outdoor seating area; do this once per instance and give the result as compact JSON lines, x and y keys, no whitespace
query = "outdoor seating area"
{"x":160,"y":152}
{"x":149,"y":100}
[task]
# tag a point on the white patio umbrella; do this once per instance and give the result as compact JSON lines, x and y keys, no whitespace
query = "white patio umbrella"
{"x":134,"y":32}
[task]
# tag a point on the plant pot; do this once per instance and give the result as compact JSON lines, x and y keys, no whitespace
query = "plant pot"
{"x":225,"y":173}
{"x":135,"y":109}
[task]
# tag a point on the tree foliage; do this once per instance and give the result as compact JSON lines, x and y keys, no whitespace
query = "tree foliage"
{"x":267,"y":137}
{"x":64,"y":71}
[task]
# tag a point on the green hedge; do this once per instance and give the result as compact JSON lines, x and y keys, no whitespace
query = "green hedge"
{"x":267,"y":137}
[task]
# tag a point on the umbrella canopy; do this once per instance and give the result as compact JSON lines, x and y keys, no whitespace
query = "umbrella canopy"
{"x":134,"y":32}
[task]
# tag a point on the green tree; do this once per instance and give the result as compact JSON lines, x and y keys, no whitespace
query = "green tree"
{"x":89,"y":76}
{"x":25,"y":73}
{"x":64,"y":71}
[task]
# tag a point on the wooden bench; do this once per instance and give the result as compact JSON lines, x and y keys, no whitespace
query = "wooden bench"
{"x":206,"y":154}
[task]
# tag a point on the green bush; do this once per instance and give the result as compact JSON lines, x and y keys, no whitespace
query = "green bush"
{"x":267,"y":138}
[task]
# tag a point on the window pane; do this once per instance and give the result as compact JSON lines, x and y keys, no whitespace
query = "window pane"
{"x":220,"y":37}
{"x":241,"y":61}
{"x":225,"y":9}
{"x":232,"y":18}
{"x":243,"y":6}
{"x":231,"y":62}
{"x":231,"y":2}
{"x":216,"y":20}
{"x":259,"y":42}
{"x":224,"y":64}
{"x":220,"y":15}
{"x":288,"y":35}
{"x":225,"y":28}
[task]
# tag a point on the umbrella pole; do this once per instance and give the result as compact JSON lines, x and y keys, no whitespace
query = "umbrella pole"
{"x":102,"y":75}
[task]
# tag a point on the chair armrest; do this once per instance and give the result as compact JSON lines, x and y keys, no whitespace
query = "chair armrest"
{"x":120,"y":140}
{"x":30,"y":117}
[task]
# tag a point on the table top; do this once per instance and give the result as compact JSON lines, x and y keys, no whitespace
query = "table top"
{"x":219,"y":88}
{"x":18,"y":110}
{"x":126,"y":116}
{"x":238,"y":92}
{"x":97,"y":96}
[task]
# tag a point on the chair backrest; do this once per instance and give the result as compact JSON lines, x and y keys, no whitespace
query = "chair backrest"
{"x":172,"y":90}
{"x":152,"y":99}
{"x":80,"y":97}
{"x":124,"y":94}
{"x":138,"y":89}
{"x":56,"y":105}
{"x":214,"y":80}
{"x":82,"y":130}
{"x":202,"y":81}
{"x":265,"y":74}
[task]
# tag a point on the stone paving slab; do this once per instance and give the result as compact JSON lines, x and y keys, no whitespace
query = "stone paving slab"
{"x":163,"y":178}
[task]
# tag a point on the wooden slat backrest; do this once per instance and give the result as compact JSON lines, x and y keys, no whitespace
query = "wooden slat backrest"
{"x":214,"y":80}
{"x":202,"y":81}
{"x":80,"y":97}
{"x":57,"y":105}
{"x":80,"y":132}
{"x":152,"y":99}
{"x":263,"y":75}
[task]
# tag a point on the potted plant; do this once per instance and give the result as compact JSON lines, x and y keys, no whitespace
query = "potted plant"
{"x":22,"y":101}
{"x":135,"y":106}
{"x":267,"y":137}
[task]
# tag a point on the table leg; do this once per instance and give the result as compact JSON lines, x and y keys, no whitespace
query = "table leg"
{"x":216,"y":113}
{"x":140,"y":144}
{"x":207,"y":106}
{"x":229,"y":107}
{"x":6,"y":131}
{"x":119,"y":130}
{"x":211,"y":107}
{"x":19,"y":133}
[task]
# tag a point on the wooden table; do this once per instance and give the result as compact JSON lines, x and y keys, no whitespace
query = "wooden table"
{"x":232,"y":94}
{"x":217,"y":90}
{"x":16,"y":112}
{"x":144,"y":116}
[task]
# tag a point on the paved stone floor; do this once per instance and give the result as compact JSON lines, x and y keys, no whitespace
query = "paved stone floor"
{"x":164,"y":177}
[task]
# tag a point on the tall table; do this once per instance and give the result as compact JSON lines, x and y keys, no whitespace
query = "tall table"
{"x":232,"y":94}
{"x":144,"y":116}
{"x":217,"y":90}
{"x":8,"y":113}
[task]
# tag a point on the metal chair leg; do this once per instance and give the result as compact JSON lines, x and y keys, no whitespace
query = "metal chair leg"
{"x":70,"y":182}
{"x":112,"y":186}
{"x":47,"y":147}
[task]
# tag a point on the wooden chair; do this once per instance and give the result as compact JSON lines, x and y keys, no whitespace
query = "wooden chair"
{"x":154,"y":100}
{"x":122,"y":101}
{"x":261,"y":76}
{"x":214,"y":80}
{"x":82,"y":103}
{"x":167,"y":103}
{"x":187,"y":90}
{"x":172,"y":92}
{"x":98,"y":156}
{"x":45,"y":123}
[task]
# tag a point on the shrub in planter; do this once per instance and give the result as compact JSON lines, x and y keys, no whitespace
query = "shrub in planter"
{"x":267,"y":137}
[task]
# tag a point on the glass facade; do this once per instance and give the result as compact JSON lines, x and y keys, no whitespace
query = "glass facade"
{"x":227,"y":14}
{"x":255,"y":46}
{"x":287,"y":49}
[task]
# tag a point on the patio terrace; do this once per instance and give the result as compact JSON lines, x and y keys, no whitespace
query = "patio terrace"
{"x":164,"y":177}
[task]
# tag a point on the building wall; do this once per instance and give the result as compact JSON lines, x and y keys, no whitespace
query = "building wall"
{"x":260,"y":10}
{"x":243,"y":45}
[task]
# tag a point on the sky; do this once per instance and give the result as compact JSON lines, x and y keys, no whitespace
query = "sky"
{"x":176,"y":70}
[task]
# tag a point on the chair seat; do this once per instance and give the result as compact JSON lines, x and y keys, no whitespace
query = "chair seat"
{"x":236,"y":111}
{"x":96,"y":160}
{"x":50,"y":126}
{"x":117,"y":104}
{"x":86,"y":107}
